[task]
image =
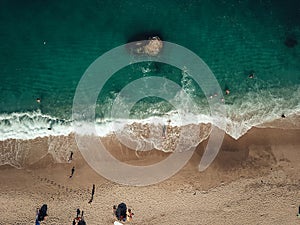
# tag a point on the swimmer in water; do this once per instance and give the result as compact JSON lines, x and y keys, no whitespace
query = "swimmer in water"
{"x":251,"y":75}
{"x":38,"y":100}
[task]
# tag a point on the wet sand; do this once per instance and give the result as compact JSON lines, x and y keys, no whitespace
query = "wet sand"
{"x":253,"y":180}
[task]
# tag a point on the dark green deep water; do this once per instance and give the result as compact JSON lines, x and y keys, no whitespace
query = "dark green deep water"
{"x":45,"y":47}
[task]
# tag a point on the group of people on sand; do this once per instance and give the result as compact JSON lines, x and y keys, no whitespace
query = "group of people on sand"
{"x":41,"y":215}
{"x":122,"y":213}
{"x":79,"y":219}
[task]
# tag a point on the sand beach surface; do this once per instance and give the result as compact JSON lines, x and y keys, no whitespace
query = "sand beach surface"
{"x":253,"y":180}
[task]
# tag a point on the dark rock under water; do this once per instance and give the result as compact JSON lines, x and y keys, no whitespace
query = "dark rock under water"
{"x":145,"y":36}
{"x":290,"y":41}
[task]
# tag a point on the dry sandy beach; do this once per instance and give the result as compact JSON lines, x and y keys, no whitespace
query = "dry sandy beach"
{"x":254,"y":180}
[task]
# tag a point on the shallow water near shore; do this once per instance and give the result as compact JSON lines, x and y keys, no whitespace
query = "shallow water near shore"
{"x":47,"y":47}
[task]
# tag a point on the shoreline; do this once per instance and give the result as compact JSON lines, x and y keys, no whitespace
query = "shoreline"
{"x":27,"y":153}
{"x":248,"y":174}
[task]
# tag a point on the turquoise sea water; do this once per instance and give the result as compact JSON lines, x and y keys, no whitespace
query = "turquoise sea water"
{"x":45,"y":47}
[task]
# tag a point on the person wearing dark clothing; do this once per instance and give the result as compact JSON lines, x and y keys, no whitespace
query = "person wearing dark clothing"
{"x":121,"y":212}
{"x":41,"y":214}
{"x":79,"y":220}
{"x":72,"y":172}
{"x":93,"y":192}
{"x":37,"y":222}
{"x":71,"y":157}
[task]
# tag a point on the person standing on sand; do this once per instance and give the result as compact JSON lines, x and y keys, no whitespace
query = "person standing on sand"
{"x":37,"y":222}
{"x":129,"y":215}
{"x":72,"y":171}
{"x":79,"y":220}
{"x":114,"y":210}
{"x":71,"y":157}
{"x":93,"y":192}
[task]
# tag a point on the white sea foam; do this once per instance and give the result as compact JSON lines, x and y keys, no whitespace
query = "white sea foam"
{"x":242,"y":113}
{"x":142,"y":134}
{"x":31,"y":125}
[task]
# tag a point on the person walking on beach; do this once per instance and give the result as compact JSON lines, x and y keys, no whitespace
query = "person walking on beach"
{"x":164,"y":128}
{"x":41,"y":214}
{"x":93,"y":192}
{"x":164,"y":131}
{"x":71,"y":157}
{"x":72,"y":171}
{"x":79,"y":220}
{"x":37,"y":222}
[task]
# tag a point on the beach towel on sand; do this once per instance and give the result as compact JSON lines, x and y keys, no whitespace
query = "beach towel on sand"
{"x":118,"y":223}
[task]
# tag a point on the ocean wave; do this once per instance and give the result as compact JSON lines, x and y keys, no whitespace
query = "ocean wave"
{"x":164,"y":131}
{"x":242,"y":113}
{"x":30,"y":125}
{"x":21,"y":131}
